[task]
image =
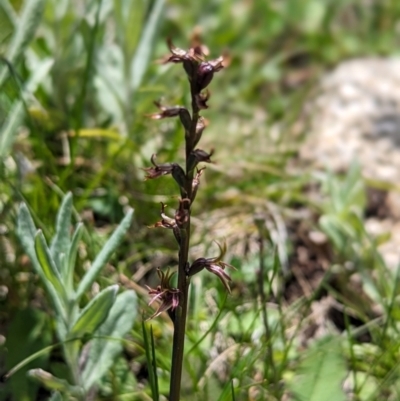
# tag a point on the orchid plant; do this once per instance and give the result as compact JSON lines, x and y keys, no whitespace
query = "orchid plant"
{"x":174,"y":300}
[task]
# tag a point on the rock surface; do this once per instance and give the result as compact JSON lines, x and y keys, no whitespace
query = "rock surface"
{"x":355,"y":116}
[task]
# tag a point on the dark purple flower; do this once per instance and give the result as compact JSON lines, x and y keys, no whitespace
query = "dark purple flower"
{"x":159,"y":169}
{"x":168,"y":296}
{"x":165,"y":112}
{"x":213,"y":265}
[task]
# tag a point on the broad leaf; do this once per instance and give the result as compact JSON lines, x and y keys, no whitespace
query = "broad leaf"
{"x":26,"y":232}
{"x":54,"y":383}
{"x":103,"y":351}
{"x":56,"y":396}
{"x":321,"y":373}
{"x":48,"y":265}
{"x":73,"y":250}
{"x":95,"y":312}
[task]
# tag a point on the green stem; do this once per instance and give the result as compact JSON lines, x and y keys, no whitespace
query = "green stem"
{"x":270,"y":365}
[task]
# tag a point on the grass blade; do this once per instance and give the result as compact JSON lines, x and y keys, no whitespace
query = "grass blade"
{"x":151,"y":361}
{"x":143,"y":52}
{"x":26,"y":232}
{"x":7,"y":20}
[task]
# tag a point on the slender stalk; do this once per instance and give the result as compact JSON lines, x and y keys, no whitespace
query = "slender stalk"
{"x":183,"y":279}
{"x":200,"y":73}
{"x":264,"y":310}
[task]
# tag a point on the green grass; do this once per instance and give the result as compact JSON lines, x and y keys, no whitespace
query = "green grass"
{"x":73,"y":118}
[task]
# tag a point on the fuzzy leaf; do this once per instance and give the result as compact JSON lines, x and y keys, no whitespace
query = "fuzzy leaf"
{"x":61,"y":241}
{"x":105,"y":254}
{"x":73,"y":250}
{"x":54,"y":383}
{"x":95,"y":312}
{"x":26,"y":232}
{"x":102,"y":351}
{"x":56,"y":396}
{"x":47,"y":263}
{"x":27,"y":24}
{"x":321,"y":374}
{"x":10,"y":126}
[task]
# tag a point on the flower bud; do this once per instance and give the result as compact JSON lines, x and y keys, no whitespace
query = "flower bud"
{"x":185,"y":118}
{"x":205,"y":74}
{"x":182,"y":214}
{"x":179,"y":175}
{"x":197,"y":156}
{"x":202,"y":99}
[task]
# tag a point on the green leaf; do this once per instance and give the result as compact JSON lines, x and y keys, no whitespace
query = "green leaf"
{"x":48,"y":265}
{"x":26,"y":232}
{"x":61,"y":242}
{"x":103,"y":351}
{"x":54,"y":383}
{"x":321,"y":373}
{"x":31,"y":15}
{"x":143,"y":52}
{"x":73,"y":250}
{"x":105,"y":254}
{"x":151,"y":361}
{"x":6,"y":20}
{"x":95,"y":312}
{"x":129,"y":16}
{"x":28,"y":332}
{"x":15,"y":117}
{"x":10,"y":126}
{"x":56,"y":396}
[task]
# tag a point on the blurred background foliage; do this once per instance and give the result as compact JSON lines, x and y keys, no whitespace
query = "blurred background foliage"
{"x":77,"y":80}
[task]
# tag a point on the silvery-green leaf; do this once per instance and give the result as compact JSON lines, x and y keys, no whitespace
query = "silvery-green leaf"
{"x":55,"y":396}
{"x":47,"y":263}
{"x":103,"y":351}
{"x":29,"y":20}
{"x":8,"y":130}
{"x":95,"y":312}
{"x":61,"y":241}
{"x":73,"y":250}
{"x":54,"y":383}
{"x":26,"y":231}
